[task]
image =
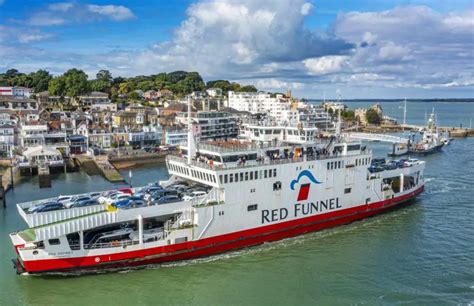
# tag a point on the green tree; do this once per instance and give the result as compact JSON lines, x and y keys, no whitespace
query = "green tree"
{"x":76,"y":82}
{"x":372,"y":116}
{"x":99,"y":85}
{"x":248,"y":88}
{"x":105,"y":76}
{"x":125,"y":87}
{"x":57,"y":86}
{"x":40,"y":80}
{"x":134,"y":95}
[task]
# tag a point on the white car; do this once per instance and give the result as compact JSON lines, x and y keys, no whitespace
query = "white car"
{"x":194,"y":195}
{"x":411,"y":162}
{"x":112,"y":197}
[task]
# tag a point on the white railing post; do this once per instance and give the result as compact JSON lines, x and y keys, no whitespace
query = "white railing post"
{"x":140,"y":229}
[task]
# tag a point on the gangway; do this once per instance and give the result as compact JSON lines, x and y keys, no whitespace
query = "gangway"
{"x":376,"y":137}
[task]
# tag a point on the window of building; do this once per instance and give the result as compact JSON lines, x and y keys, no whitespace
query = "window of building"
{"x":252,"y":207}
{"x":347,"y":190}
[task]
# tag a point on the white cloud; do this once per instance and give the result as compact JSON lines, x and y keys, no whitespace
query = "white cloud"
{"x":114,"y":12}
{"x":71,"y":12}
{"x":325,"y":64}
{"x":391,"y":51}
{"x":306,"y":8}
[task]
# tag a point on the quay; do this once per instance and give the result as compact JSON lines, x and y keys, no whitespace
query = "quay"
{"x":99,"y":165}
{"x":391,"y":128}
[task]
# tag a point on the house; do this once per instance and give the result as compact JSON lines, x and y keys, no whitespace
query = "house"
{"x":100,"y":137}
{"x":214,"y":92}
{"x":17,"y":104}
{"x":164,"y":93}
{"x":151,"y":95}
{"x":41,"y":154}
{"x":147,"y":136}
{"x":7,"y":137}
{"x":95,"y":98}
{"x":128,"y":119}
{"x":175,"y":136}
{"x":78,"y":144}
{"x":15,"y":91}
{"x":48,"y":102}
{"x":32,"y":134}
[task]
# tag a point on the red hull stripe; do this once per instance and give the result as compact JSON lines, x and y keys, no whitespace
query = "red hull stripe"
{"x":219,"y":244}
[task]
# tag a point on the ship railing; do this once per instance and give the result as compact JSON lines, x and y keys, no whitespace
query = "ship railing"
{"x":263,"y":162}
{"x":103,"y":245}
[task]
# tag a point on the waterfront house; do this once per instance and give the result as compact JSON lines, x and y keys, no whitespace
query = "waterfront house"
{"x":78,"y":144}
{"x":175,"y":136}
{"x":34,"y":156}
{"x":100,"y":137}
{"x":32,"y":133}
{"x":7,"y":137}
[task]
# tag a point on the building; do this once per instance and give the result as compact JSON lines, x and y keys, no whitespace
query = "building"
{"x":100,"y":137}
{"x":151,"y":95}
{"x":334,"y":106}
{"x":15,"y":91}
{"x":277,"y":106}
{"x":7,"y":137}
{"x":211,"y":125}
{"x":17,"y":104}
{"x":175,"y":136}
{"x":32,"y":134}
{"x":37,"y":155}
{"x":360,"y":113}
{"x":214,"y":92}
{"x":146,"y":137}
{"x":95,"y":99}
{"x":128,"y":119}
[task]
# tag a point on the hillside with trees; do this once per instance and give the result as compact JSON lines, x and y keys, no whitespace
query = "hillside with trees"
{"x":75,"y":82}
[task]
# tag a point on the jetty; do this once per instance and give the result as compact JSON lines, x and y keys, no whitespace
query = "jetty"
{"x":99,"y":165}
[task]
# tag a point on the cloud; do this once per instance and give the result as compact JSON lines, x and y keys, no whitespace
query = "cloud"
{"x":114,"y":12}
{"x":325,"y":64}
{"x":70,"y":12}
{"x":12,"y":35}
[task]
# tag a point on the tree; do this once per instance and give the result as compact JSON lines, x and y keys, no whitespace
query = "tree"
{"x":99,"y":85}
{"x":76,"y":82}
{"x":348,"y":114}
{"x":57,"y":86}
{"x":372,"y":116}
{"x":134,"y":95}
{"x":40,"y":80}
{"x":248,"y":88}
{"x":105,"y":76}
{"x":125,"y":87}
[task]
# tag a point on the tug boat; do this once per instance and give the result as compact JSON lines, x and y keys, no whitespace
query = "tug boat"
{"x":253,"y":193}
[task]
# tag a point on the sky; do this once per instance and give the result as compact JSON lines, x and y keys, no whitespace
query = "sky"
{"x":352,"y":49}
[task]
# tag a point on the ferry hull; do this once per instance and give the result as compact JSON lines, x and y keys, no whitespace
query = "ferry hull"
{"x":217,"y":244}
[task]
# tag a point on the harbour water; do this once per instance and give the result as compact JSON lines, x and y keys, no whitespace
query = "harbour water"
{"x":422,"y":254}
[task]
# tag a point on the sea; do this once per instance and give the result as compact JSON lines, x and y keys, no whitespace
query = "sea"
{"x":422,"y":254}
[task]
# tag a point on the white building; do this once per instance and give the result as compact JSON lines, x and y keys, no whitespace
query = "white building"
{"x":278,"y":106}
{"x":214,"y":92}
{"x":211,"y":125}
{"x":176,"y":137}
{"x":148,"y":136}
{"x":32,"y":134}
{"x":7,"y":137}
{"x":15,"y":91}
{"x":34,"y":156}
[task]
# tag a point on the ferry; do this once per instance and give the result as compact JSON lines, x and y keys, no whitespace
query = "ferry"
{"x":220,"y":196}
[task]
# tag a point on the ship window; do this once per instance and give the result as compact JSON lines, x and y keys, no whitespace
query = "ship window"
{"x":246,"y":176}
{"x":256,"y":175}
{"x":252,"y":207}
{"x":274,"y":172}
{"x":241,"y":176}
{"x":225,"y":178}
{"x":236,"y":177}
{"x":265,"y":173}
{"x":328,"y":165}
{"x":251,"y":175}
{"x":367,"y":201}
{"x":339,"y":163}
{"x":347,"y":190}
{"x":231,"y":178}
{"x":220,"y":179}
{"x":269,"y":172}
{"x":54,"y":241}
{"x":357,"y":162}
{"x":277,"y":186}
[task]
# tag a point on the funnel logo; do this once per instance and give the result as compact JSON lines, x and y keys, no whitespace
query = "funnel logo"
{"x":304,"y":188}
